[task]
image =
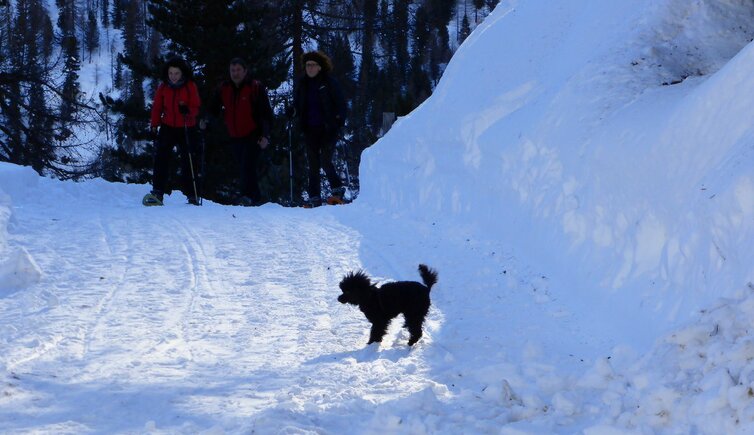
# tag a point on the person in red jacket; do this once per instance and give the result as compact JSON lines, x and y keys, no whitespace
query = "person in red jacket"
{"x":174,"y":115}
{"x":248,"y":120}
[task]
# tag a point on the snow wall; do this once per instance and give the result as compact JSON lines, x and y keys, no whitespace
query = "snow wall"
{"x":609,"y":144}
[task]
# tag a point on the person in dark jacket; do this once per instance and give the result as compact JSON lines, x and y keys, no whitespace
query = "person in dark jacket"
{"x":247,"y":114}
{"x":173,"y":121}
{"x":321,"y":108}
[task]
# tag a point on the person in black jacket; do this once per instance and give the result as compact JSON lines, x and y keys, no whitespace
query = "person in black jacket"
{"x":321,"y":107}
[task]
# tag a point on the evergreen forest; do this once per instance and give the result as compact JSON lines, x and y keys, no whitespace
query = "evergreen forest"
{"x":77,"y":77}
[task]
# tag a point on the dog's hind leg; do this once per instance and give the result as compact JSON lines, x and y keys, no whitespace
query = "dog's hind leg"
{"x":414,"y":326}
{"x":377,"y":332}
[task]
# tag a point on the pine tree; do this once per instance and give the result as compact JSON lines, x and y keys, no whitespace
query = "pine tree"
{"x":478,"y":4}
{"x":47,"y":34}
{"x":465,"y":28}
{"x":133,"y":44}
{"x":389,"y":76}
{"x":104,"y":13}
{"x":72,"y":63}
{"x":41,"y":126}
{"x":441,"y":12}
{"x":12,"y":141}
{"x":363,"y":108}
{"x":91,"y":35}
{"x":31,"y":132}
{"x":394,"y":64}
{"x":419,"y":85}
{"x":292,"y":23}
{"x":209,"y":33}
{"x":118,"y":13}
{"x":5,"y":20}
{"x":131,"y":158}
{"x":118,"y":73}
{"x":400,"y":32}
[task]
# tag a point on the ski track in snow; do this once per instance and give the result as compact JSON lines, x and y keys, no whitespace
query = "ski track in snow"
{"x":187,"y":319}
{"x":176,"y":312}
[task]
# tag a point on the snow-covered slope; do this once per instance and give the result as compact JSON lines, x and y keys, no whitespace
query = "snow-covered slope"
{"x":552,"y":132}
{"x":582,"y":179}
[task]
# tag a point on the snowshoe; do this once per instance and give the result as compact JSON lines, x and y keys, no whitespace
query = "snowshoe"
{"x":150,"y":199}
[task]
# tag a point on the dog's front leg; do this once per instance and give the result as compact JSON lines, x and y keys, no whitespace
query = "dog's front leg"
{"x":378,"y":331}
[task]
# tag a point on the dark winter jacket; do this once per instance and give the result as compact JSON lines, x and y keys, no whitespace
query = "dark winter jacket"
{"x":246,"y":108}
{"x":168,"y":98}
{"x":329,"y":108}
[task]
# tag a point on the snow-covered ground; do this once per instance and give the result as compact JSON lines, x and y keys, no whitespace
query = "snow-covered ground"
{"x":583,"y":181}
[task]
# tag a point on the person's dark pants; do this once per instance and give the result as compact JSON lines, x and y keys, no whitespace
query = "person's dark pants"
{"x":168,"y":138}
{"x":246,"y":152}
{"x":320,"y":147}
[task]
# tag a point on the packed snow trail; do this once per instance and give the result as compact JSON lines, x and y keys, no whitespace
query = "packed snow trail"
{"x":184,"y":319}
{"x":183,"y":311}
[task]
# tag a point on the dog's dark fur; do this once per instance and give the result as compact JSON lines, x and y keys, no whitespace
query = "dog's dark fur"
{"x":382,"y":304}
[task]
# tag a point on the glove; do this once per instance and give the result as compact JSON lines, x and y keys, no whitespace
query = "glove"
{"x":263,"y":142}
{"x":183,"y":109}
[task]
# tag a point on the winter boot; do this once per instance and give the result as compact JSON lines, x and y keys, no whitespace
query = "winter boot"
{"x":313,"y":202}
{"x":336,"y":196}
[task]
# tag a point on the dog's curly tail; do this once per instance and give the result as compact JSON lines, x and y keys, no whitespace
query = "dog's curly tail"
{"x":429,"y":276}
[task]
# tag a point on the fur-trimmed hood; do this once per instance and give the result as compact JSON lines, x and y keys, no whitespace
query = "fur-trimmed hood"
{"x":321,"y":58}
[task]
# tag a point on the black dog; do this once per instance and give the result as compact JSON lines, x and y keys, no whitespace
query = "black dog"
{"x":383,"y":304}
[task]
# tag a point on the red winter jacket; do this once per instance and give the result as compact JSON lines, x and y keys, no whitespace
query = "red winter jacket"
{"x":240,"y":103}
{"x":166,"y":101}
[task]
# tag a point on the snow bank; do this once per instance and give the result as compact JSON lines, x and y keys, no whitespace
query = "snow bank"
{"x":4,"y":219}
{"x":569,"y":142}
{"x":16,"y":180}
{"x":699,"y":379}
{"x":17,"y":267}
{"x":18,"y":270}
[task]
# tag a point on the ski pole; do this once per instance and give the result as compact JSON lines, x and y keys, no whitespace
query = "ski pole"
{"x":345,"y":163}
{"x":290,"y":159}
{"x":191,"y":161}
{"x":203,"y":143}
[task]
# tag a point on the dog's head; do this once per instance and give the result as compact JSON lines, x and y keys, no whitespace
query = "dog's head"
{"x":355,"y":286}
